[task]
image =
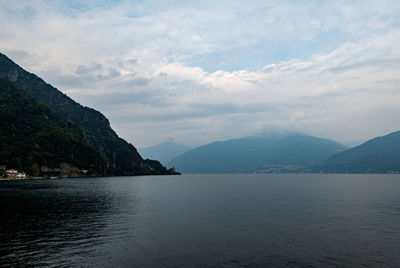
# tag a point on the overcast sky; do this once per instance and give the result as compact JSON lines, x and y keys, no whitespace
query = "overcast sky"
{"x":214,"y":70}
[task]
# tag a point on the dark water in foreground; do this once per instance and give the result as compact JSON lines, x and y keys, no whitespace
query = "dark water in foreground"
{"x":202,"y":220}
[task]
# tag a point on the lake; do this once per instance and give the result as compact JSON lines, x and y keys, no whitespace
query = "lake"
{"x":202,"y":220}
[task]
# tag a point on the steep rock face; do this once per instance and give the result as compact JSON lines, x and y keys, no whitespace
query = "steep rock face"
{"x":121,"y":158}
{"x":378,"y":155}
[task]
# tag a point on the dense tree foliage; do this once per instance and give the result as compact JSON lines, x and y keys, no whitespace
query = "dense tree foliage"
{"x":32,"y":135}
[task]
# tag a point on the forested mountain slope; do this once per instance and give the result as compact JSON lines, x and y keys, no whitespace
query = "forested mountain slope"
{"x":120,"y":157}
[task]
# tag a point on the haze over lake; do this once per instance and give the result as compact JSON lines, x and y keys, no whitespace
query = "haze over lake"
{"x":202,"y":220}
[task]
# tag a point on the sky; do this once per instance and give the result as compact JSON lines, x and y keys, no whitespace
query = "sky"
{"x":200,"y":71}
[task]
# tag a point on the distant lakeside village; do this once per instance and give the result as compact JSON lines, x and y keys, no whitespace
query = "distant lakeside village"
{"x":11,"y":173}
{"x":14,"y":174}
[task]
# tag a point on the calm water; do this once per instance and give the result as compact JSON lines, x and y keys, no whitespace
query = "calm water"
{"x":202,"y":220}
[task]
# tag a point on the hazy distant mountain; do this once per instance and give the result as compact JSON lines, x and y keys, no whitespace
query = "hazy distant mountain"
{"x":268,"y":153}
{"x":163,"y":152}
{"x":91,"y":128}
{"x":379,"y":155}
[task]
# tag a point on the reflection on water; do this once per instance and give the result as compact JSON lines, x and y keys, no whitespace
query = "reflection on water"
{"x":45,"y":221}
{"x":203,"y":220}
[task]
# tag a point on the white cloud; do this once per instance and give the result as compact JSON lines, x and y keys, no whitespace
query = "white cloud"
{"x":143,"y":67}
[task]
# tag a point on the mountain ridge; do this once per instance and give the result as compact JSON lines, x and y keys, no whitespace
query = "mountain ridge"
{"x":377,"y":155}
{"x":271,"y":153}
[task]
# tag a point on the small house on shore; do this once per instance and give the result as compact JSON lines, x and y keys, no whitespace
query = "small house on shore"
{"x":15,"y":174}
{"x":11,"y":172}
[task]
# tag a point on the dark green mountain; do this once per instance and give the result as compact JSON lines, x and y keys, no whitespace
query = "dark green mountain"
{"x":269,"y":153}
{"x":119,"y":157}
{"x":164,"y":152}
{"x":31,"y":133}
{"x":379,"y":155}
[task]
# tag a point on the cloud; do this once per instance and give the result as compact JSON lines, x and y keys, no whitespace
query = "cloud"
{"x":82,"y":70}
{"x":208,"y":71}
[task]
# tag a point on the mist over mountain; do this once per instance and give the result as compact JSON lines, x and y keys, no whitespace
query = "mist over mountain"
{"x":265,"y":153}
{"x":163,"y":152}
{"x":378,"y":155}
{"x":82,"y":127}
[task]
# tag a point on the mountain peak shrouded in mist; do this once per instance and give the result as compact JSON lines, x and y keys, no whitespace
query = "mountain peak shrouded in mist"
{"x":290,"y":152}
{"x":75,"y":126}
{"x":273,"y":152}
{"x":164,"y":152}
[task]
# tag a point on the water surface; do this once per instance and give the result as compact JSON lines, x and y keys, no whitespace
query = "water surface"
{"x":202,"y":220}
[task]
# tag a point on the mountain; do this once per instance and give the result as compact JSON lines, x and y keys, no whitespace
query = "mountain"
{"x":120,"y":157}
{"x":379,"y":155}
{"x":267,"y":153}
{"x":33,"y":134}
{"x":164,"y":152}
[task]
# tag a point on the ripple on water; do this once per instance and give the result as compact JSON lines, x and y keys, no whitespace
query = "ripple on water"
{"x":213,"y":220}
